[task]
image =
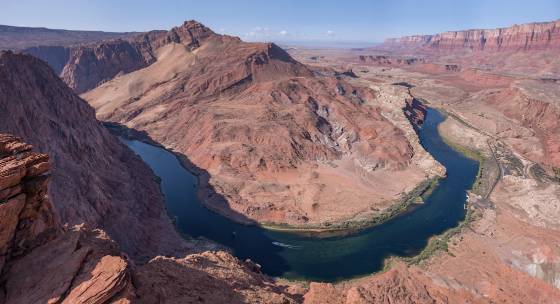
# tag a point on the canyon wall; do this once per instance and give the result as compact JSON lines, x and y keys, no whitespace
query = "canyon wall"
{"x":530,"y":36}
{"x":96,"y":179}
{"x":89,"y":65}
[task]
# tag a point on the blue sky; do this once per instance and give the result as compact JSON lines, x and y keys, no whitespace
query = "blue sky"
{"x":282,"y":21}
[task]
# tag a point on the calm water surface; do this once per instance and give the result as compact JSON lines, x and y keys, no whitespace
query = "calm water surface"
{"x":297,"y":256}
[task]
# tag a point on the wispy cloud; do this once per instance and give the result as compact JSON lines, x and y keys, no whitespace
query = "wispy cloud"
{"x":259,"y":32}
{"x":264,"y":33}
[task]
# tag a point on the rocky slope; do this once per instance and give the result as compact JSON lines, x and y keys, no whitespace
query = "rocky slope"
{"x":530,"y":36}
{"x":19,"y":38}
{"x":43,"y":262}
{"x":39,"y":262}
{"x":96,"y":179}
{"x":272,"y":142}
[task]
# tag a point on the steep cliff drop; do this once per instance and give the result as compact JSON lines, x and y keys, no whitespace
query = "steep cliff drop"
{"x":95,"y":180}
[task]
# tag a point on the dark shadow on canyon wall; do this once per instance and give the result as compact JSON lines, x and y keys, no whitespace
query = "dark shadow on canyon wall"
{"x":185,"y":186}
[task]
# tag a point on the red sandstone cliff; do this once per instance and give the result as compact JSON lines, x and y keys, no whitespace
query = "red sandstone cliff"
{"x":530,"y":36}
{"x":96,"y":179}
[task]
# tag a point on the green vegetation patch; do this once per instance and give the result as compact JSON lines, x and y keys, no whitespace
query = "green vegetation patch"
{"x":440,"y":242}
{"x":405,"y":203}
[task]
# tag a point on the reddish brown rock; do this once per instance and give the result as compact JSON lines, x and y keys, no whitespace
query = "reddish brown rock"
{"x":530,"y":36}
{"x":209,"y":277}
{"x":88,"y":66}
{"x":398,"y":285}
{"x":415,"y":111}
{"x":39,"y":262}
{"x":536,"y":112}
{"x":95,"y":179}
{"x":26,"y":215}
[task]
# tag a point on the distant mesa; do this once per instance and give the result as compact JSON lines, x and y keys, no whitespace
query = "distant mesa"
{"x":530,"y":36}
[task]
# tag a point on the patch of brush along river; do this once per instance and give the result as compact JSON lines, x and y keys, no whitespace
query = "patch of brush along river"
{"x":299,"y":256}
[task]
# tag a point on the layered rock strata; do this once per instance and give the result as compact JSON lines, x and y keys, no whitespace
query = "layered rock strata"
{"x":530,"y":36}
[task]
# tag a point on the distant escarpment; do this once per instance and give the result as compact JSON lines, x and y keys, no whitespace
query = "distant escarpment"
{"x":271,"y":141}
{"x":96,"y":179}
{"x":530,"y":36}
{"x":18,"y":38}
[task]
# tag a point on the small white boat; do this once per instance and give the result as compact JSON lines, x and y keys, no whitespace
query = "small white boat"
{"x":279,"y":244}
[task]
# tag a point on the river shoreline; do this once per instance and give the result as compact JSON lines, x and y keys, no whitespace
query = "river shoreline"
{"x":405,"y":204}
{"x":361,"y":221}
{"x":335,"y":258}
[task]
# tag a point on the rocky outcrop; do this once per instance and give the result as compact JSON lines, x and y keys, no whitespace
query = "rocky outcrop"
{"x":95,"y":179}
{"x":415,"y":112}
{"x":209,"y":277}
{"x":27,"y":217}
{"x":530,"y":36}
{"x":39,"y":262}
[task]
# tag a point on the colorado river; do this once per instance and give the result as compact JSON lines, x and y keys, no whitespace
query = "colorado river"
{"x":296,"y":256}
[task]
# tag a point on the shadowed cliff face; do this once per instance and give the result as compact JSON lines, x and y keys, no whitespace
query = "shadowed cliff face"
{"x":530,"y":36}
{"x":96,"y":179}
